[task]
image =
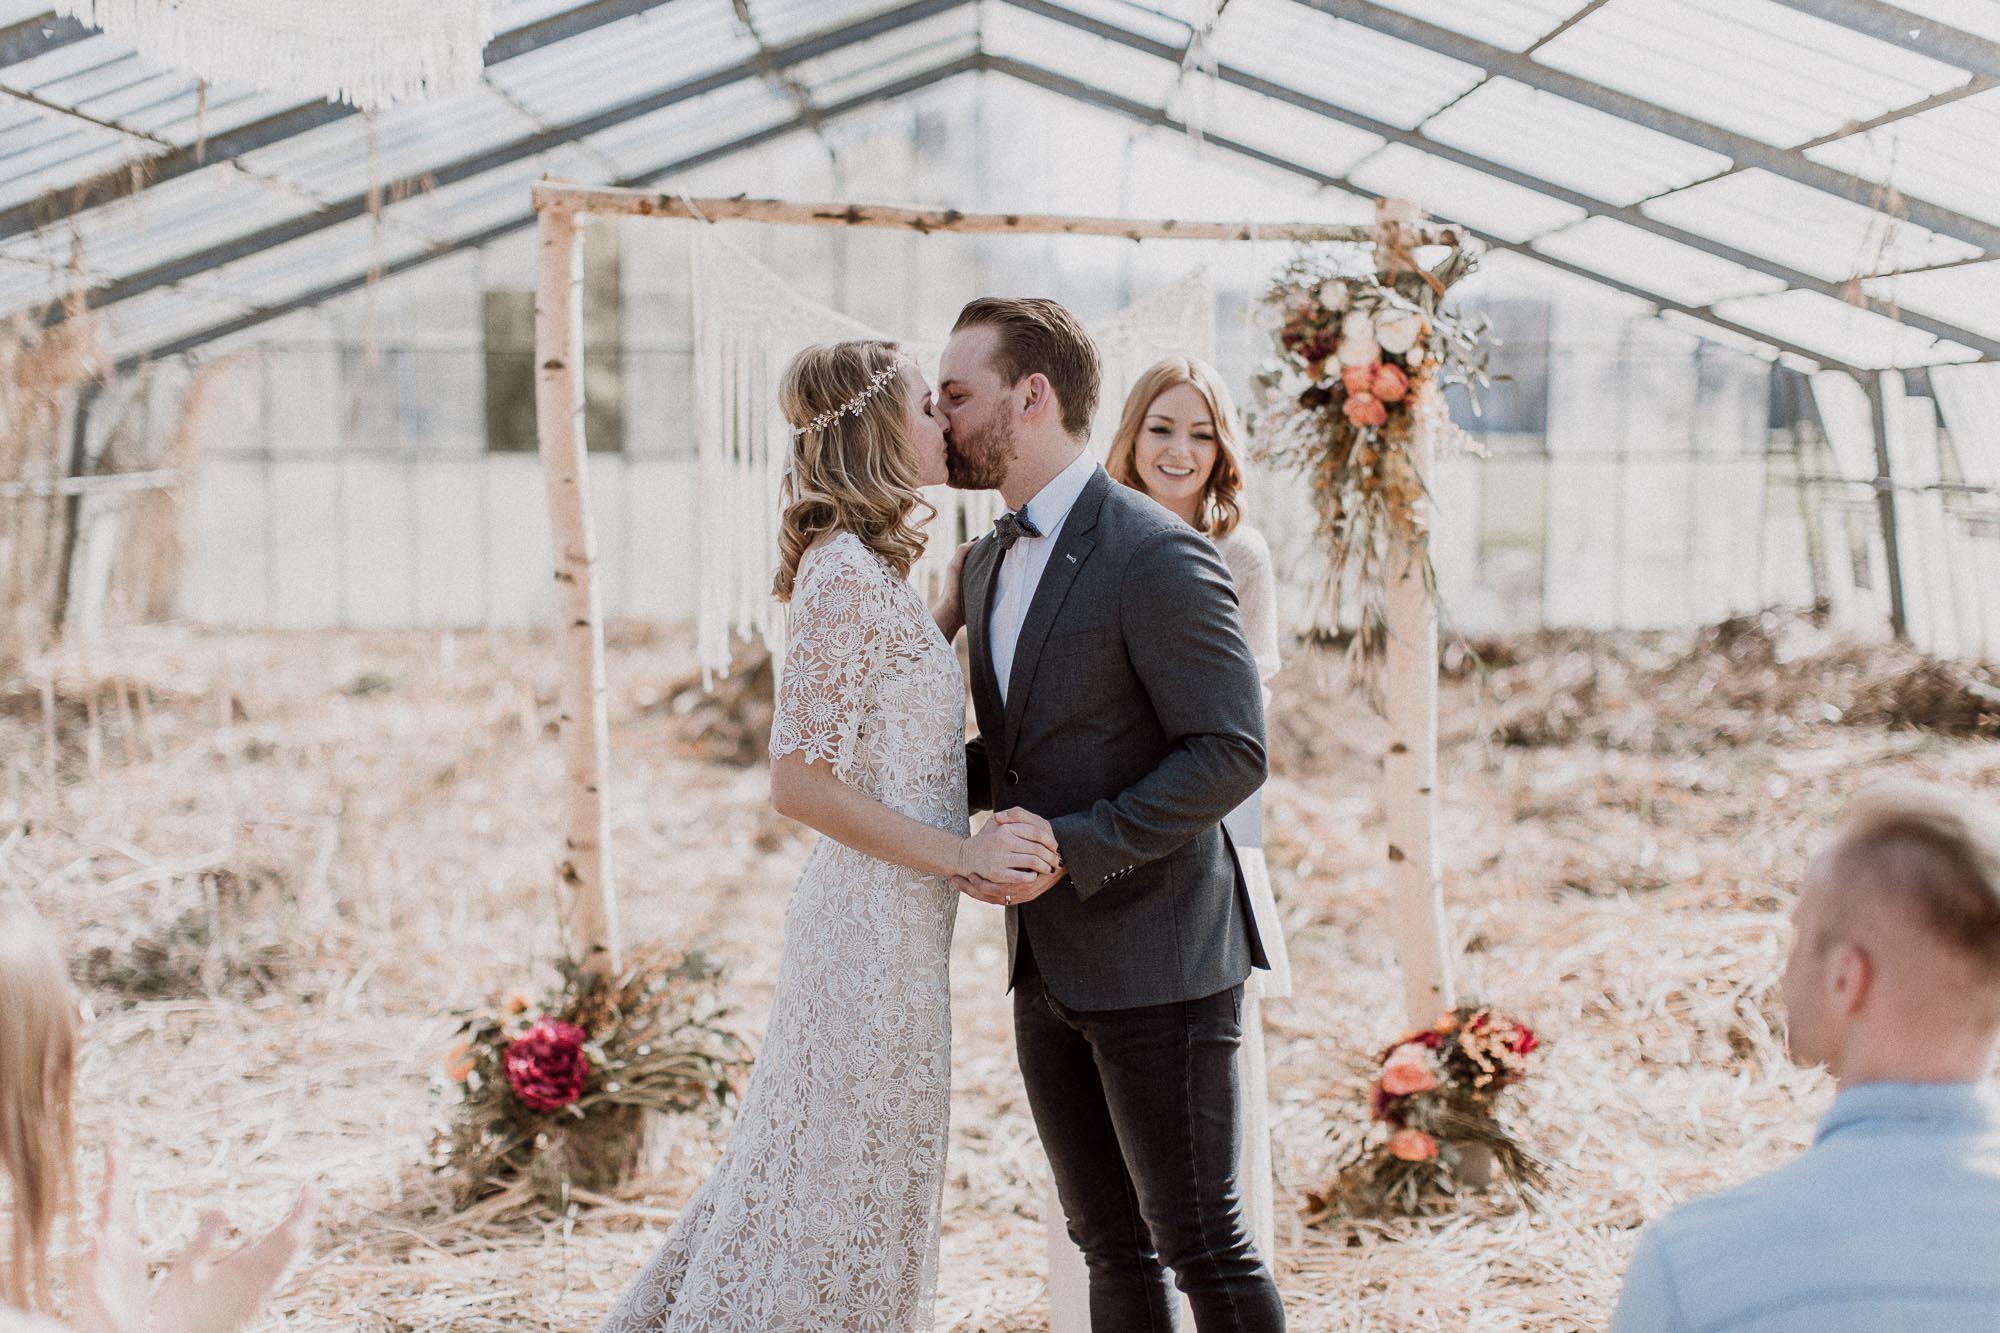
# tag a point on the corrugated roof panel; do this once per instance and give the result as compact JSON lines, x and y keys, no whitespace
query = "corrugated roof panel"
{"x":1949,"y":155}
{"x":1569,"y":144}
{"x":1291,"y":44}
{"x":1116,"y":69}
{"x":159,"y":316}
{"x":694,"y":126}
{"x":1275,"y":127}
{"x":783,"y":21}
{"x":1161,"y":23}
{"x":58,"y":151}
{"x":342,"y":158}
{"x":650,"y":51}
{"x":905,"y":51}
{"x":1842,"y":332}
{"x":1754,"y":66}
{"x":1683,"y":273}
{"x":1968,"y":295}
{"x":1805,"y":228}
{"x":1981,"y":17}
{"x":1459,"y":194}
{"x":1514,"y":24}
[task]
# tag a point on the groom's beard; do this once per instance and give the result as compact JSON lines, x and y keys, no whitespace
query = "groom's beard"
{"x":978,"y":461}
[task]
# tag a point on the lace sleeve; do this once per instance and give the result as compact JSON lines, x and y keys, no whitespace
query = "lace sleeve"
{"x":1250,"y":567}
{"x":829,"y":648}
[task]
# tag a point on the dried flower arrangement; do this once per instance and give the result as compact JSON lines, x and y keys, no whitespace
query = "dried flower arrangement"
{"x":557,"y":1093}
{"x":1362,"y":361}
{"x":1436,"y":1097}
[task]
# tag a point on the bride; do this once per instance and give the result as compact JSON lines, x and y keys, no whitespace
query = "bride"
{"x":823,"y":1213}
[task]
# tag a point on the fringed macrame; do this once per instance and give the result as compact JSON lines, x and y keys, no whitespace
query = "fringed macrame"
{"x":371,"y":53}
{"x":749,"y":324}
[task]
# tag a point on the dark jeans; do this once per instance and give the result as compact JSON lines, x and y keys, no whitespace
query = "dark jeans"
{"x":1137,"y":1109}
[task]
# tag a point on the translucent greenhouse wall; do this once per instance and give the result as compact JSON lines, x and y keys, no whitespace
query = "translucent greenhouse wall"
{"x":351,"y":472}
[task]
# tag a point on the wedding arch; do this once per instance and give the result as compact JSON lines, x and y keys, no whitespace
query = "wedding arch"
{"x":1410,"y":694}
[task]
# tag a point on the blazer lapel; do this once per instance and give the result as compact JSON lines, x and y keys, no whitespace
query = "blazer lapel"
{"x":982,"y":563}
{"x":1073,"y":547}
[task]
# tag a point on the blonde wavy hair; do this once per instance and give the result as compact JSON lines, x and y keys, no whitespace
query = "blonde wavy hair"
{"x":40,"y":1027}
{"x":1221,"y":509}
{"x":858,"y":475}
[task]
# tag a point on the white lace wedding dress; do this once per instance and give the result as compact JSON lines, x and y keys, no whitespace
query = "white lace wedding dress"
{"x":822,"y":1216}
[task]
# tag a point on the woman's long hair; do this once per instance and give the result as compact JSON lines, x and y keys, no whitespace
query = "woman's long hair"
{"x":1221,"y":510}
{"x":859,"y":474}
{"x":39,"y":1031}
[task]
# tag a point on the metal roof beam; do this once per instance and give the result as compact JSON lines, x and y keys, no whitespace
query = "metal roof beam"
{"x":902,"y":87}
{"x":1913,"y":32}
{"x":1630,"y":216}
{"x":34,"y":36}
{"x":201,"y":261}
{"x":131,"y":177}
{"x":1741,"y":149}
{"x":1153,"y":116}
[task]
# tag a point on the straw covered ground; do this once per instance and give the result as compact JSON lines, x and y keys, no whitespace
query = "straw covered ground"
{"x":283,"y":861}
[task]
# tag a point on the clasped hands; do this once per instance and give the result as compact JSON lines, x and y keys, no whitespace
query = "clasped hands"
{"x":1013,"y":860}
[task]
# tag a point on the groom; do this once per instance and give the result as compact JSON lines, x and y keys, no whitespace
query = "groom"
{"x":1116,"y":697}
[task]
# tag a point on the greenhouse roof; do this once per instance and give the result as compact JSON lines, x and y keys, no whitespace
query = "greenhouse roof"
{"x":1818,"y":178}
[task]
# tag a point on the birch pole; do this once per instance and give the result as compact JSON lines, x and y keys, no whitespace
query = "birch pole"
{"x":1410,"y":684}
{"x":583,"y":720}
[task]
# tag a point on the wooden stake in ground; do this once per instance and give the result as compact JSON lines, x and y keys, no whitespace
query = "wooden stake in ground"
{"x":1410,"y":688}
{"x":583,"y":720}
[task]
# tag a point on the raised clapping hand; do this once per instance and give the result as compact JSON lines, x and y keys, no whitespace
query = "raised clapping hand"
{"x":1014,"y":889}
{"x":200,"y":1294}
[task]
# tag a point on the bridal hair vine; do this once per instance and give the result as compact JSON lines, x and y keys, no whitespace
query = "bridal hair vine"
{"x":852,"y":407}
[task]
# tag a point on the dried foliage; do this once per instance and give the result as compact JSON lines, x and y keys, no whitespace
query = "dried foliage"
{"x":40,"y":372}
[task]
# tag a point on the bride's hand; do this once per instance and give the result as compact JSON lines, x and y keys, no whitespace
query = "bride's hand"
{"x":1006,"y":853}
{"x":950,"y":609}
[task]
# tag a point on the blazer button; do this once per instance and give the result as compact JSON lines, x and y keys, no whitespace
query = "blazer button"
{"x":1013,"y":778}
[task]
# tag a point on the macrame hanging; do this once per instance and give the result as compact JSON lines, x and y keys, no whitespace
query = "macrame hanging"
{"x":368,"y":52}
{"x":749,"y":324}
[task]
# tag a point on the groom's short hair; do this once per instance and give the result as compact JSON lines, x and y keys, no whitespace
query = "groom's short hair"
{"x":1040,"y":336}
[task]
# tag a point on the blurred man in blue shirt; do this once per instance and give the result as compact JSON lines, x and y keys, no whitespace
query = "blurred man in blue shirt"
{"x":1891,"y":1221}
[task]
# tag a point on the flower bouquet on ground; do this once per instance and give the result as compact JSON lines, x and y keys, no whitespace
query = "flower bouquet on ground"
{"x":557,"y":1094}
{"x":1361,"y":365}
{"x":1435,"y":1098}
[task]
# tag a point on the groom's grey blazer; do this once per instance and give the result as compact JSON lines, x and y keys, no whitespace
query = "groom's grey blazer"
{"x":1134,"y":722}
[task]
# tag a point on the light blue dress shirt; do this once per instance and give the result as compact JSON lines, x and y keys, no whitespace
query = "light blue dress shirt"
{"x":1889,"y":1224}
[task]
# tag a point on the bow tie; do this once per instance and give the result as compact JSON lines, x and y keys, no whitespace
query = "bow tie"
{"x":1010,"y":528}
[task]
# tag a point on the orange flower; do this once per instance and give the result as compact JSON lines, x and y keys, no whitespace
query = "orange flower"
{"x":458,"y":1065}
{"x":1365,"y":409}
{"x":1407,"y":1074}
{"x":1412,"y":1145}
{"x":1390,"y":383}
{"x":1357,"y":379}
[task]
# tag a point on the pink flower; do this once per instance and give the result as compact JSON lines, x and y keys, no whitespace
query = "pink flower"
{"x":1357,"y":379}
{"x":1523,"y":1040}
{"x":1365,"y":409}
{"x":1390,"y":383}
{"x":1412,"y":1145}
{"x":1406,"y":1074}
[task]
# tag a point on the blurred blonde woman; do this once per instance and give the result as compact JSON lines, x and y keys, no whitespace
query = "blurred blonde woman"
{"x":110,"y":1290}
{"x":1179,"y":442}
{"x":823,"y":1214}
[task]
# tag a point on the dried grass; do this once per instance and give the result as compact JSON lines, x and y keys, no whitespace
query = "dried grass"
{"x":1628,"y":902}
